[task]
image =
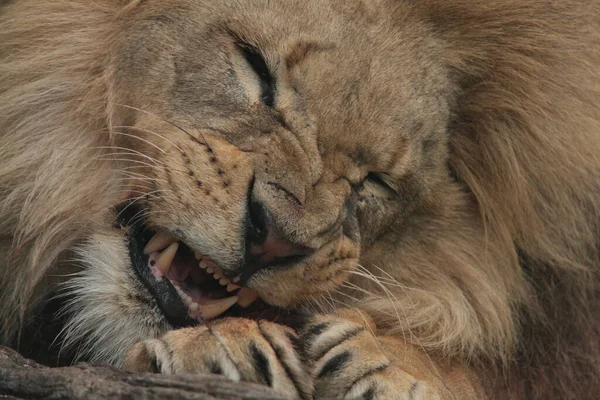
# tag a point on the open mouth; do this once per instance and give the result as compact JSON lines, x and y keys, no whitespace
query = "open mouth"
{"x":188,"y":288}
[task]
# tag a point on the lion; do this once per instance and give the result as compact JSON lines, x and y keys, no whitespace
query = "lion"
{"x":340,"y":199}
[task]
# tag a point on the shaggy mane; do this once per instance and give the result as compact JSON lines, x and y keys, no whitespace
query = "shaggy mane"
{"x":54,"y":123}
{"x":526,"y":142}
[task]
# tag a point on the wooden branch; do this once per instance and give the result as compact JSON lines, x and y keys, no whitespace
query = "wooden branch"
{"x":21,"y":378}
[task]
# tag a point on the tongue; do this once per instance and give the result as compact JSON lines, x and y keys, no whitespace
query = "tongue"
{"x":176,"y":273}
{"x":182,"y":266}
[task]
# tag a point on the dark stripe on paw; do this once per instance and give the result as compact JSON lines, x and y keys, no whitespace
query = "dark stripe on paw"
{"x":214,"y":367}
{"x":225,"y":349}
{"x":294,"y":340}
{"x":309,"y":336}
{"x":280,"y":357}
{"x":261,"y":365}
{"x":346,"y":336}
{"x":154,"y":367}
{"x":315,"y":330}
{"x":370,"y":372}
{"x":335,"y":364}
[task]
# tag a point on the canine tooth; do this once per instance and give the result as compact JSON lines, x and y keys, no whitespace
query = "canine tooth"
{"x":232,"y":286}
{"x":215,"y":307}
{"x":194,"y":307}
{"x":223,"y":281}
{"x":247,"y":297}
{"x":165,"y":258}
{"x":203,"y":264}
{"x":158,"y":242}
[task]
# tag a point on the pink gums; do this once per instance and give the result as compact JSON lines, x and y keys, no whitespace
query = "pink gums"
{"x":154,"y":266}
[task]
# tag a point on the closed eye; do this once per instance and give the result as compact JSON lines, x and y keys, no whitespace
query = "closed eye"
{"x":259,"y":66}
{"x":381,"y":181}
{"x":378,"y":179}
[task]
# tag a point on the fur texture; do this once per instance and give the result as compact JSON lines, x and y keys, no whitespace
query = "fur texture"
{"x":481,"y":245}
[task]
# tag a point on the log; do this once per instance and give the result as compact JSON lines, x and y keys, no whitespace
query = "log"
{"x":21,"y":378}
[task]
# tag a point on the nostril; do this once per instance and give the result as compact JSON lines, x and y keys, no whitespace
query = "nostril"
{"x":257,"y":223}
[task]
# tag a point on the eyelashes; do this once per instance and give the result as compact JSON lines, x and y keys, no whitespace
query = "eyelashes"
{"x":258,"y":64}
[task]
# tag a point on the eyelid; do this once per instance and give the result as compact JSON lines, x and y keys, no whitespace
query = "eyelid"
{"x":255,"y":59}
{"x":379,"y":179}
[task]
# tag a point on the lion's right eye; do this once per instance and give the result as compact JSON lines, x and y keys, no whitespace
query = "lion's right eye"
{"x":260,"y":68}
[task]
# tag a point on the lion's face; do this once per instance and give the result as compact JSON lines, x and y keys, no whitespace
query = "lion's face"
{"x":265,"y":151}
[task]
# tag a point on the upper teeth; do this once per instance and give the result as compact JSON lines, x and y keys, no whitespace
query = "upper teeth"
{"x":165,"y":259}
{"x":159,"y":242}
{"x":210,"y":308}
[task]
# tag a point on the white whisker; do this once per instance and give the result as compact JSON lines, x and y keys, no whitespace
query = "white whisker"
{"x":146,"y":140}
{"x":369,"y":275}
{"x":129,"y":151}
{"x":160,"y":118}
{"x":103,"y":158}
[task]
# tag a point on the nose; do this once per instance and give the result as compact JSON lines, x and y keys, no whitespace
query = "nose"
{"x":265,"y":244}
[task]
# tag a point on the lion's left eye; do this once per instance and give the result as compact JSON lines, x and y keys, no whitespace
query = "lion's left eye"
{"x":380,"y":183}
{"x":267,"y":83}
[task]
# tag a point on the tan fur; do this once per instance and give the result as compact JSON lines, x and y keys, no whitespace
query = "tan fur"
{"x":228,"y":339}
{"x":492,"y":266}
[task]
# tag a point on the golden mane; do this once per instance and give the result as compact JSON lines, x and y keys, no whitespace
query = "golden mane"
{"x":53,"y":126}
{"x":526,"y":142}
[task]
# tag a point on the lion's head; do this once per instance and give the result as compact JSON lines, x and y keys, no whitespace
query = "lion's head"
{"x":170,"y":162}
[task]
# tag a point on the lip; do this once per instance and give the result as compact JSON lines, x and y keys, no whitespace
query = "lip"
{"x":163,"y":291}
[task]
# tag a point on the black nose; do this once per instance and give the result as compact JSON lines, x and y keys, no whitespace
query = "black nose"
{"x":265,"y":244}
{"x":256,"y":232}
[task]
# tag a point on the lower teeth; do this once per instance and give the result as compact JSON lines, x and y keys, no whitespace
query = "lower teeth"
{"x":211,"y":308}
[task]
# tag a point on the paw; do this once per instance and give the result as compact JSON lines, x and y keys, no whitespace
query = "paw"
{"x":240,"y":349}
{"x":349,"y":362}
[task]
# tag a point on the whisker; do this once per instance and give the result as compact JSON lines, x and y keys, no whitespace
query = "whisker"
{"x":112,"y":128}
{"x":191,"y":121}
{"x":366,"y":322}
{"x":150,"y":143}
{"x":146,"y":215}
{"x":130,"y":178}
{"x":128,"y":151}
{"x":368,"y":274}
{"x":103,"y":158}
{"x":136,"y":199}
{"x":156,"y":116}
{"x":143,"y":139}
{"x":394,"y":282}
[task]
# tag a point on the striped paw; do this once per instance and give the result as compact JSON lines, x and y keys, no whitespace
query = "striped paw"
{"x":240,"y":349}
{"x":348,"y":361}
